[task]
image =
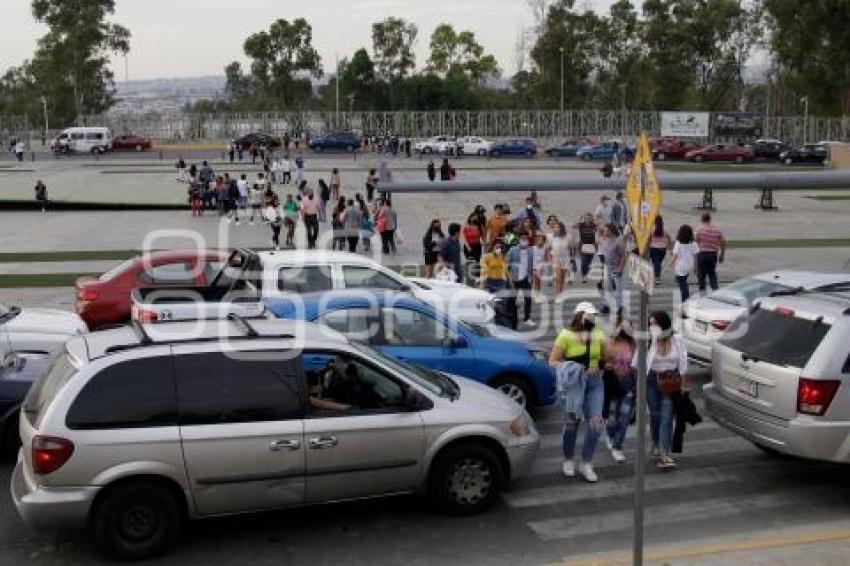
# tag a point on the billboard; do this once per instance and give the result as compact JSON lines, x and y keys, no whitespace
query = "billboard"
{"x":739,"y":124}
{"x":684,"y":124}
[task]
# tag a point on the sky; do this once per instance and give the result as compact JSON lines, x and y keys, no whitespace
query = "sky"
{"x":186,"y":38}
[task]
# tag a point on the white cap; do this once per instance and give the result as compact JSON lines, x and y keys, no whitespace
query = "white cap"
{"x":586,"y":307}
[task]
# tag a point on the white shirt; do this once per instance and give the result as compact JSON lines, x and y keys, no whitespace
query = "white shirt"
{"x":242,"y":185}
{"x":684,"y":254}
{"x":284,"y":166}
{"x":676,"y":358}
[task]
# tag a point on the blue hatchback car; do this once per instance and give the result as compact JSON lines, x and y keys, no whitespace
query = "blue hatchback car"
{"x":413,"y":331}
{"x":337,"y":141}
{"x":515,"y":146}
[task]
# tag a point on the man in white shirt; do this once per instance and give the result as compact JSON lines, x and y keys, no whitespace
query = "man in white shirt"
{"x":19,"y":150}
{"x":275,"y":171}
{"x":285,"y":171}
{"x":242,"y":185}
{"x":604,"y":212}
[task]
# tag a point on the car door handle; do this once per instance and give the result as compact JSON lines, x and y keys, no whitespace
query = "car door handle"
{"x":279,"y":445}
{"x":323,"y":442}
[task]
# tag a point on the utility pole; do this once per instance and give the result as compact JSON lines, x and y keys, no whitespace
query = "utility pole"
{"x":44,"y":105}
{"x":337,"y":91}
{"x":805,"y":101}
{"x":623,"y":110}
{"x":561,"y":49}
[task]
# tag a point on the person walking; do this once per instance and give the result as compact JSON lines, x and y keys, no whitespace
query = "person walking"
{"x":242,"y":185}
{"x":619,"y":378}
{"x":40,"y":190}
{"x":290,"y":219}
{"x":619,"y":212}
{"x":495,"y":225}
{"x":587,"y":243}
{"x":472,"y":237}
{"x":310,"y":215}
{"x":325,"y":196}
{"x":431,"y":170}
{"x":659,"y":243}
{"x":371,"y":181}
{"x":352,"y":222}
{"x":685,"y":252}
{"x":195,"y":203}
{"x":255,"y":200}
{"x":667,"y":366}
{"x":231,"y":151}
{"x":20,"y":148}
{"x":613,"y":251}
{"x":337,"y":226}
{"x":445,"y":170}
{"x":712,"y":250}
{"x":181,"y":170}
{"x":285,"y":169}
{"x":299,"y":170}
{"x":580,"y":387}
{"x":604,"y":213}
{"x":273,"y":216}
{"x":521,"y":262}
{"x":560,"y":251}
{"x":431,"y":243}
{"x":336,"y":183}
{"x":390,"y":226}
{"x":494,"y":270}
{"x":450,"y":249}
{"x":542,"y":262}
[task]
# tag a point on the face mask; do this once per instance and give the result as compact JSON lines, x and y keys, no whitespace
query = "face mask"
{"x":529,"y":207}
{"x":523,"y":244}
{"x":497,"y":252}
{"x":655,"y":332}
{"x":589,"y":324}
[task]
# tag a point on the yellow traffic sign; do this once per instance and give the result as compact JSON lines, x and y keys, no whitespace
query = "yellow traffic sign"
{"x":643,"y":195}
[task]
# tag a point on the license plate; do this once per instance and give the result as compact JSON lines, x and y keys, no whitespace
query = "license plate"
{"x":748,"y":387}
{"x":701,"y":326}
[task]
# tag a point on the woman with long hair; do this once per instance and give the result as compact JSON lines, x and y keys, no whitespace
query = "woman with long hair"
{"x":431,"y":246}
{"x":339,"y":241}
{"x":685,"y":251}
{"x":587,"y":243}
{"x":560,"y":251}
{"x":659,"y":243}
{"x":619,"y":385}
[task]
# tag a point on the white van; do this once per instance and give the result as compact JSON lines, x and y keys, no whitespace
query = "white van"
{"x":83,"y":140}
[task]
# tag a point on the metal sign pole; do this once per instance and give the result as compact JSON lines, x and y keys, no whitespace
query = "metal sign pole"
{"x":640,"y":457}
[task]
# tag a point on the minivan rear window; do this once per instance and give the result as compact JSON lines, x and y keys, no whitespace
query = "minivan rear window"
{"x":45,"y":388}
{"x":777,"y":338}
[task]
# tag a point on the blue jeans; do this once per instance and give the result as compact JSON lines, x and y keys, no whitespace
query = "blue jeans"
{"x":586,"y":260}
{"x":614,"y":284}
{"x":656,"y":256}
{"x":495,"y":285}
{"x":660,"y":414}
{"x":685,"y":291}
{"x":620,"y":413}
{"x":594,"y":394}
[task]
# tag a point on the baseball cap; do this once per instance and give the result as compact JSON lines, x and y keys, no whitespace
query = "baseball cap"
{"x":586,"y":307}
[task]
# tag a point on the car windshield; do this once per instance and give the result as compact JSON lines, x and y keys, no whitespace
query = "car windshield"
{"x":434,"y":382}
{"x":745,"y":292}
{"x":118,"y":269}
{"x":46,"y":387}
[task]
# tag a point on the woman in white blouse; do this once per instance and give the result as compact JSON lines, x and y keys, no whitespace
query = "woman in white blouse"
{"x":667,"y":358}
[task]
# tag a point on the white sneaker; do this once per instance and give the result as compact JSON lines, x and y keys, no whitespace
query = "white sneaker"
{"x":529,"y":324}
{"x":586,"y":471}
{"x":609,"y":442}
{"x":618,"y":456}
{"x":251,"y":223}
{"x":569,"y":468}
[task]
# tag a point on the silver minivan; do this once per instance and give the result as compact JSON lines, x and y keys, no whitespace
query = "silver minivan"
{"x":781,"y":376}
{"x":133,"y":430}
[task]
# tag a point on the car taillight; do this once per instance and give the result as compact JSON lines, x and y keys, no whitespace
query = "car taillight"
{"x":50,"y":453}
{"x":720,"y":325}
{"x":143,"y":315}
{"x":784,"y":311}
{"x":815,"y":395}
{"x":87,"y":295}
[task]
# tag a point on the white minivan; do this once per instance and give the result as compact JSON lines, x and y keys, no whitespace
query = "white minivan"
{"x":83,"y":140}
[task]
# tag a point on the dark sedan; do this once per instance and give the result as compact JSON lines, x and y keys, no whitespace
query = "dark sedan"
{"x":515,"y":146}
{"x":769,"y":149}
{"x":131,"y":142}
{"x":337,"y":141}
{"x":810,"y":153}
{"x":259,"y":138}
{"x":566,"y":148}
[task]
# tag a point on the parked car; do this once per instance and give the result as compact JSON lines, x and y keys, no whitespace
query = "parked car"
{"x":721,"y":152}
{"x":671,"y":148}
{"x":473,"y":145}
{"x":514,"y":146}
{"x":131,"y":142}
{"x":768,"y":149}
{"x":566,"y":148}
{"x":705,"y":318}
{"x":437,"y":144}
{"x":813,"y":154}
{"x":410,"y":330}
{"x":781,"y":376}
{"x":83,"y":139}
{"x":344,"y":141}
{"x":29,"y":340}
{"x":260,"y":138}
{"x":105,"y":300}
{"x":134,"y":430}
{"x":604,"y":151}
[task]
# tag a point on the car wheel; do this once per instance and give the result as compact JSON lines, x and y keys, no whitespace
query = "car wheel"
{"x":136,"y":520}
{"x":516,"y":388}
{"x":465,"y":479}
{"x":739,"y":159}
{"x":427,"y":149}
{"x":139,"y":147}
{"x":789,"y":161}
{"x":482,"y":152}
{"x":698,"y":158}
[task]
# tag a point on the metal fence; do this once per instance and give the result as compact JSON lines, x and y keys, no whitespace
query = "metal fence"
{"x":539,"y":124}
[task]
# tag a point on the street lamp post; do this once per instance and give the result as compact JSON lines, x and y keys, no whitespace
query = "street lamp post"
{"x":561,"y":49}
{"x":805,"y":101}
{"x":44,"y":105}
{"x":623,"y":111}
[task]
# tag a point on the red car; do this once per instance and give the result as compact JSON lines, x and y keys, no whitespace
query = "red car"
{"x":721,"y":152}
{"x":106,"y":299}
{"x":671,"y":148}
{"x":131,"y":142}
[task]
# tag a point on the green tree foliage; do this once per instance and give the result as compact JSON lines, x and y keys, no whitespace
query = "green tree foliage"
{"x":460,"y":53}
{"x":70,"y":65}
{"x":282,"y":60}
{"x":811,"y":42}
{"x":392,"y":43}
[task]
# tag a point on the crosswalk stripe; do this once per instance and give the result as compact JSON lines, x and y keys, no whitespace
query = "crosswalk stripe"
{"x":554,"y":438}
{"x":584,"y":524}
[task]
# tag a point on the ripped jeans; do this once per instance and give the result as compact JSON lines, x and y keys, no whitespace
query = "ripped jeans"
{"x":594,"y":395}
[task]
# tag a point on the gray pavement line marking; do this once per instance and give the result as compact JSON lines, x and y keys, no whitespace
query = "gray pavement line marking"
{"x":595,"y":524}
{"x":570,"y":492}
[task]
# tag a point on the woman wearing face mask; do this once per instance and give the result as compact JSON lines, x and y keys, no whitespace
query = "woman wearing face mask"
{"x":584,"y":344}
{"x":667,"y":364}
{"x":431,"y":246}
{"x":587,"y":243}
{"x":560,"y":256}
{"x":494,"y":270}
{"x":619,"y":386}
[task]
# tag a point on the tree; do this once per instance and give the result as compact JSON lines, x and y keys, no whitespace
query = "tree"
{"x":280,"y":59}
{"x":70,"y":65}
{"x":453,"y":53}
{"x":392,"y":43}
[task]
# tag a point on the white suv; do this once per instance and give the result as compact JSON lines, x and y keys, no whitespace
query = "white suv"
{"x":134,"y":429}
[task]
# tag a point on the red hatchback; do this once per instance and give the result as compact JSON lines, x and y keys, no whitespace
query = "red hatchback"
{"x":721,"y":152}
{"x":106,"y":299}
{"x":671,"y":148}
{"x":131,"y":142}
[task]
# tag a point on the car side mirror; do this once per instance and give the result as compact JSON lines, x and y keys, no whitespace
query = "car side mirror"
{"x":416,"y":401}
{"x":405,"y":288}
{"x":455,"y":342}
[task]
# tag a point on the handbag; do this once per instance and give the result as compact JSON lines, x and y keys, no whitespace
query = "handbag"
{"x":669,"y":382}
{"x":588,"y":249}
